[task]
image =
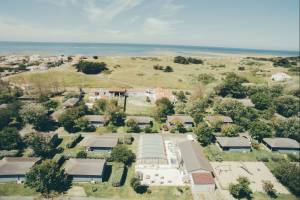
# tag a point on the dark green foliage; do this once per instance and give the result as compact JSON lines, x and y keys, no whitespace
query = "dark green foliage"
{"x":59,"y":159}
{"x":232,"y":86}
{"x":135,"y":183}
{"x":163,"y":108}
{"x":91,"y":67}
{"x":114,"y":114}
{"x":81,"y":154}
{"x":287,"y":105}
{"x":47,"y":177}
{"x":128,"y":139}
{"x":181,"y":96}
{"x":100,"y":106}
{"x":194,"y":60}
{"x":10,"y":139}
{"x":168,"y":69}
{"x":95,"y":57}
{"x":288,"y":174}
{"x":185,"y":61}
{"x":282,"y":62}
{"x":289,"y":128}
{"x":74,"y":140}
{"x":121,"y":153}
{"x":241,"y":189}
{"x":132,"y":126}
{"x":261,"y":100}
{"x":204,"y":134}
{"x":117,"y":178}
{"x":230,"y":130}
{"x":259,"y":130}
{"x":178,"y":127}
{"x":158,"y":67}
{"x":205,"y":78}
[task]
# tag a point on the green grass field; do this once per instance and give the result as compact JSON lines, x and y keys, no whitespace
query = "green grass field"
{"x":262,"y":196}
{"x":14,"y":189}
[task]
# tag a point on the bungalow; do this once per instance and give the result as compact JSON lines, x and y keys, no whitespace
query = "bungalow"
{"x":234,"y":144}
{"x":85,"y":170}
{"x":186,"y":120}
{"x":211,"y":119}
{"x":280,"y":76}
{"x":71,"y":102}
{"x":99,"y":143}
{"x":13,"y":169}
{"x":283,"y":145}
{"x":96,"y":120}
{"x":142,"y":121}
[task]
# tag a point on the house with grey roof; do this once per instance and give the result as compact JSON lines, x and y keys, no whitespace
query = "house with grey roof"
{"x":186,"y":120}
{"x":283,"y":145}
{"x":96,"y":120}
{"x":69,"y":103}
{"x":211,"y":119}
{"x":234,"y":144}
{"x":13,"y":169}
{"x":99,"y":143}
{"x":142,"y":121}
{"x":85,"y":170}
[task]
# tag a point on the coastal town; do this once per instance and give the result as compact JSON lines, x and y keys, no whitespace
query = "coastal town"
{"x":230,"y":135}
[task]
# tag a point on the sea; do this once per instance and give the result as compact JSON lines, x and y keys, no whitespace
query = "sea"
{"x":113,"y":49}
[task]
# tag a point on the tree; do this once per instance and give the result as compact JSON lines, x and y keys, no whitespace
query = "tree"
{"x":135,"y":183}
{"x":230,"y":130}
{"x":168,"y":69}
{"x":181,"y":96}
{"x":261,"y":100}
{"x":178,"y":126}
{"x":241,"y":189}
{"x":81,"y":154}
{"x":181,"y":60}
{"x":289,"y":128}
{"x":133,"y":126}
{"x":268,"y":187}
{"x":91,"y":67}
{"x":47,"y":177}
{"x":260,"y":130}
{"x":83,"y":124}
{"x":287,"y":105}
{"x":10,"y":139}
{"x":232,"y":86}
{"x":115,"y":113}
{"x":204,"y":134}
{"x":100,"y":105}
{"x":121,"y":153}
{"x":163,"y":108}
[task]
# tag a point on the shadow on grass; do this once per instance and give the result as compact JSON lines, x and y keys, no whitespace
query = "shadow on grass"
{"x":107,"y":173}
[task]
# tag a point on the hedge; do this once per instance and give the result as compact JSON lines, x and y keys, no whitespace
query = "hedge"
{"x":59,"y":159}
{"x":74,"y":140}
{"x":117,"y":174}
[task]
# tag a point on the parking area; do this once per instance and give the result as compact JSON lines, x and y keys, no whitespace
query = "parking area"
{"x":227,"y":172}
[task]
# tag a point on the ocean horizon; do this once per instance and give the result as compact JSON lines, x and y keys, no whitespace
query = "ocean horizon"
{"x":119,"y":49}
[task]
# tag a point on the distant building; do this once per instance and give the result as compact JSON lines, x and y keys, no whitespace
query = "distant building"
{"x":234,"y":144}
{"x":280,"y":77}
{"x":99,"y":143}
{"x":117,"y":92}
{"x":186,"y":120}
{"x":215,"y":118}
{"x":71,"y":102}
{"x":85,"y":170}
{"x":283,"y":145}
{"x":142,"y":121}
{"x":96,"y":120}
{"x":13,"y":169}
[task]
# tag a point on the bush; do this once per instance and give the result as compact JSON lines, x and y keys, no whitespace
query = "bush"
{"x":241,"y":68}
{"x":81,"y":154}
{"x":262,"y":158}
{"x":91,"y":67}
{"x":241,"y":189}
{"x":128,"y":139}
{"x":206,"y":78}
{"x":168,"y":69}
{"x":277,"y":157}
{"x":117,"y":174}
{"x":181,"y":60}
{"x":74,"y":140}
{"x":269,"y":188}
{"x":135,"y":183}
{"x":121,"y":153}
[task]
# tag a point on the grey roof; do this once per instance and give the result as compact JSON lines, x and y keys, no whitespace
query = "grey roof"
{"x":233,"y":142}
{"x":282,"y":143}
{"x":180,"y":118}
{"x":140,"y":119}
{"x":96,"y":118}
{"x":100,"y":141}
{"x":224,"y":119}
{"x":151,"y":150}
{"x":193,"y":156}
{"x":71,"y":102}
{"x":92,"y":167}
{"x":16,"y":165}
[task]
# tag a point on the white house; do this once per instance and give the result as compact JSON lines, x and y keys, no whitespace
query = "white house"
{"x":280,"y":76}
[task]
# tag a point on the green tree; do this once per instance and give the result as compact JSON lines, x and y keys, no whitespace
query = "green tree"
{"x":179,"y":127}
{"x":100,"y":105}
{"x":133,"y":126}
{"x":81,"y":154}
{"x":261,"y":100}
{"x":91,"y":67}
{"x":121,"y":153}
{"x":289,"y":128}
{"x":181,"y":96}
{"x":232,"y":86}
{"x":135,"y":183}
{"x":241,"y":189}
{"x":164,"y":107}
{"x":230,"y":130}
{"x":204,"y":134}
{"x":168,"y":69}
{"x":47,"y":178}
{"x":115,"y":113}
{"x":10,"y":139}
{"x":287,"y":105}
{"x":268,"y":187}
{"x":260,"y":130}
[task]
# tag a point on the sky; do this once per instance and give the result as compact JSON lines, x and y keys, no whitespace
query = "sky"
{"x":258,"y":24}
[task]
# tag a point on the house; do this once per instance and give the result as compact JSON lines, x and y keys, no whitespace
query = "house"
{"x":280,"y":76}
{"x":117,"y":92}
{"x":99,"y":143}
{"x":283,"y":145}
{"x":211,"y":119}
{"x":196,"y":166}
{"x":13,"y":169}
{"x":186,"y":120}
{"x":142,"y":121}
{"x":96,"y":120}
{"x":234,"y":144}
{"x":85,"y":170}
{"x":71,"y":102}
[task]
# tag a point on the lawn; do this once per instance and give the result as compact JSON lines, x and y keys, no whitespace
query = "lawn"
{"x":14,"y":189}
{"x":262,"y":196}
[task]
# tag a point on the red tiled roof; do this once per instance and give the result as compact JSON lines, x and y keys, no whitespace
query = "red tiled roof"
{"x":203,"y":178}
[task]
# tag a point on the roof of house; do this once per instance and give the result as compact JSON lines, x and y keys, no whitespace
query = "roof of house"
{"x":96,"y":118}
{"x":71,"y":102}
{"x":282,"y":143}
{"x":203,"y":178}
{"x":16,"y":165}
{"x":193,"y":156}
{"x":180,"y":118}
{"x":91,"y":167}
{"x":233,"y":142}
{"x":99,"y":141}
{"x":140,"y":119}
{"x":224,"y":119}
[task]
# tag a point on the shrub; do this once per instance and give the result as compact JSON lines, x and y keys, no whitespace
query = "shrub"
{"x":181,"y":60}
{"x":241,"y":189}
{"x":277,"y":157}
{"x":74,"y":140}
{"x":294,"y":157}
{"x":59,"y":159}
{"x":95,"y":57}
{"x":91,"y":67}
{"x":241,"y":68}
{"x":135,"y":183}
{"x":268,"y":187}
{"x":168,"y":69}
{"x":81,"y":154}
{"x":262,"y":158}
{"x":148,"y":129}
{"x":117,"y":174}
{"x":128,"y":139}
{"x":206,"y":78}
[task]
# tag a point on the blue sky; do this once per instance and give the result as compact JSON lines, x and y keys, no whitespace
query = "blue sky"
{"x":262,"y":24}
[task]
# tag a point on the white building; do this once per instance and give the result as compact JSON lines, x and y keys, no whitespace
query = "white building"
{"x":280,"y":76}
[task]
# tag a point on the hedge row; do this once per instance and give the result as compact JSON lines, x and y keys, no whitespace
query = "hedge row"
{"x":117,"y":174}
{"x":74,"y":140}
{"x":59,"y":159}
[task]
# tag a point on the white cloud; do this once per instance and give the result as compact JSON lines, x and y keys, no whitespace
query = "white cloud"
{"x":60,"y":3}
{"x":170,"y":8}
{"x":156,"y":26}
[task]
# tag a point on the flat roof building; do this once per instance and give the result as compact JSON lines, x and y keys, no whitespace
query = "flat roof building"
{"x":284,"y":145}
{"x":234,"y":143}
{"x":99,"y":143}
{"x":186,"y":120}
